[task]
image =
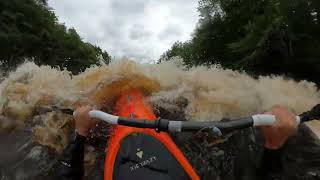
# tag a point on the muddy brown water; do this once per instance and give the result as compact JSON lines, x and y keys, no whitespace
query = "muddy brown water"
{"x":200,"y":94}
{"x":315,"y":127}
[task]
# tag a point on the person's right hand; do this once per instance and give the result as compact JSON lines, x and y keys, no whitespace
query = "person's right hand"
{"x":285,"y":126}
{"x":83,"y":122}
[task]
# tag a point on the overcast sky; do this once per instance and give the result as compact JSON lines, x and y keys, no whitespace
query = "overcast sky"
{"x":138,"y":29}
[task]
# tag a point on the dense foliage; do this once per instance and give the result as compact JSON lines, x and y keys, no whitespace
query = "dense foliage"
{"x":259,"y":36}
{"x":29,"y":29}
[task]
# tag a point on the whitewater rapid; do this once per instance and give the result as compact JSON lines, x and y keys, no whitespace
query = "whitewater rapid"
{"x":210,"y":93}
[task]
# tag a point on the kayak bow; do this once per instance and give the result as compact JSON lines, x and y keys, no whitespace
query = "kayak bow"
{"x":137,"y":153}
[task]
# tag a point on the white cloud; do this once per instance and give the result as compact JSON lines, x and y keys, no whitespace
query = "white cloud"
{"x":139,"y":29}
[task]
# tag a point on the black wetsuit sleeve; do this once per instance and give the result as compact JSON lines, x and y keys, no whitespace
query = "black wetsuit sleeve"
{"x":271,"y":164}
{"x":70,"y":165}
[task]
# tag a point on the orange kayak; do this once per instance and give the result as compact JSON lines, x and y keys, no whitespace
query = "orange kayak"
{"x":136,"y":153}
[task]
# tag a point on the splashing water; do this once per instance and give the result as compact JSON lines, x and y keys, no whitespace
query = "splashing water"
{"x":211,"y":93}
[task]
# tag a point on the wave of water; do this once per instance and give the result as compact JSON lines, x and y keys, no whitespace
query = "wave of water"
{"x":210,"y":92}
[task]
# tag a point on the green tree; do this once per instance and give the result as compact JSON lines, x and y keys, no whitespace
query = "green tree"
{"x":261,"y":37}
{"x":29,"y":29}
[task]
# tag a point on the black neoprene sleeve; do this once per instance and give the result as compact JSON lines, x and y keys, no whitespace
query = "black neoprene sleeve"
{"x":71,"y":162}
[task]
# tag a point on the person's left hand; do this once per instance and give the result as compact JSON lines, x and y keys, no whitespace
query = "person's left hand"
{"x":83,"y":122}
{"x":285,"y":126}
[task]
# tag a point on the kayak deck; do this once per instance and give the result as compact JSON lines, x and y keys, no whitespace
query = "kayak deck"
{"x":132,"y":104}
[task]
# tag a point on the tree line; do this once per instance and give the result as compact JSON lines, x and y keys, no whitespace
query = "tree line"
{"x":261,"y":37}
{"x":29,"y":29}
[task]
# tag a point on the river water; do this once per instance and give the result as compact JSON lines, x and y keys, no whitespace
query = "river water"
{"x":31,"y":139}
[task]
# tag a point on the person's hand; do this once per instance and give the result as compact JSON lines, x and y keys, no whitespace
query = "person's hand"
{"x":83,"y":122}
{"x":285,"y":126}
